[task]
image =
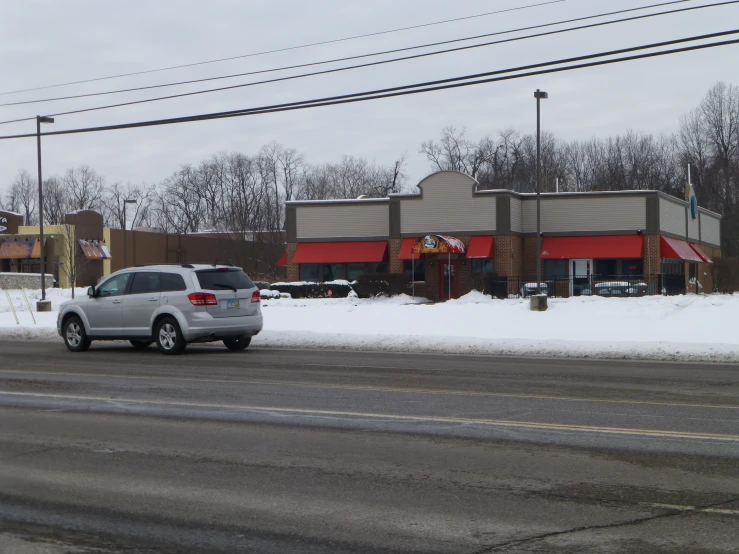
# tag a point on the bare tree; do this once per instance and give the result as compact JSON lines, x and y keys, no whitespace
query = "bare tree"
{"x":56,"y":201}
{"x":137,"y":214}
{"x":84,"y":188}
{"x":74,"y":260}
{"x":22,"y":197}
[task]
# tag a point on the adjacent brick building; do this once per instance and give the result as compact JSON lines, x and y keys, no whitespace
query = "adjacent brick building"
{"x":85,"y":249}
{"x":588,"y":239}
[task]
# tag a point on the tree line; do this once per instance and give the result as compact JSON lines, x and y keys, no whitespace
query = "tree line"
{"x":242,"y":193}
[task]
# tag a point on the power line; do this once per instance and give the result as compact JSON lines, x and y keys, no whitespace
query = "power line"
{"x":669,"y":12}
{"x":332,"y":41}
{"x":414,"y":88}
{"x":393,"y":51}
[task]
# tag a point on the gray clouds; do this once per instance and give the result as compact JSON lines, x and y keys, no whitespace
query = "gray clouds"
{"x":47,"y":42}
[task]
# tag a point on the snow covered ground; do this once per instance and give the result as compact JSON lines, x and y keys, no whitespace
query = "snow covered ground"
{"x":691,"y":327}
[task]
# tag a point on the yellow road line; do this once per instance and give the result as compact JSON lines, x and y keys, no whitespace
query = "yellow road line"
{"x":397,"y":417}
{"x":370,"y":388}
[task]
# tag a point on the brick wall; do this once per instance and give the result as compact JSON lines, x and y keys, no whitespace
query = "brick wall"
{"x":652,"y":262}
{"x":464,"y":276}
{"x":293,"y":270}
{"x":394,"y":264}
{"x":432,"y":277}
{"x":705,"y":272}
{"x":508,"y":255}
{"x":528,"y":249}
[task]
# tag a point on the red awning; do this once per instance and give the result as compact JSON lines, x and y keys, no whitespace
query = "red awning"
{"x":340,"y":252}
{"x":677,"y":249}
{"x":589,"y":247}
{"x":702,"y":254}
{"x":480,"y":247}
{"x":405,"y":250}
{"x":282,"y":261}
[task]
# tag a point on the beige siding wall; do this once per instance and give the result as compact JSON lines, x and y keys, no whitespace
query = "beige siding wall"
{"x":516,"y":215}
{"x":343,"y":220}
{"x":692,"y":227}
{"x":598,"y":213}
{"x":671,"y":217}
{"x":447,"y":205}
{"x":710,"y":229}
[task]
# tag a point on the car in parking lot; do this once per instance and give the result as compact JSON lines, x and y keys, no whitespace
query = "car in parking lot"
{"x":170,"y":305}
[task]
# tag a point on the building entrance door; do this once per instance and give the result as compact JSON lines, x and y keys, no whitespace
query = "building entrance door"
{"x":581,"y":277}
{"x":448,"y":279}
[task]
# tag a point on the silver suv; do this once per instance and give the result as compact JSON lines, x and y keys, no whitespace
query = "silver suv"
{"x":171,"y":305}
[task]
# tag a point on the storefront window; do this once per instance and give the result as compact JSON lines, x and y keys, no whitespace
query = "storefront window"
{"x":482,"y":266}
{"x":355,"y":270}
{"x":555,"y":269}
{"x":416,"y":267}
{"x":332,"y":272}
{"x":309,"y":272}
{"x":673,"y":267}
{"x":632,"y":267}
{"x":606,"y":268}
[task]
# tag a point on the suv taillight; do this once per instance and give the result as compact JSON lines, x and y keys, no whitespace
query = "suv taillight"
{"x":203,"y":299}
{"x":256,"y":296}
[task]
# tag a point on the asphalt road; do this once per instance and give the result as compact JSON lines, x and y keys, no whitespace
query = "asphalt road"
{"x":284,"y":451}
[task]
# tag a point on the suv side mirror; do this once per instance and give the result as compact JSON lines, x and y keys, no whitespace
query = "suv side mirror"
{"x":91,"y":292}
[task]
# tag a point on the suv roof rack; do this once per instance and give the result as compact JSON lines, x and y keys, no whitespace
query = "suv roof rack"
{"x":188,"y":265}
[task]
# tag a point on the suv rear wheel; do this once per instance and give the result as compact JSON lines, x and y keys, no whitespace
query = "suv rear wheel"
{"x":238,"y":343}
{"x":169,"y":336}
{"x":75,"y":336}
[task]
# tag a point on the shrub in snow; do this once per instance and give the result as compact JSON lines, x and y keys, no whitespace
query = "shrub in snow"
{"x":267,"y":294}
{"x":335,"y":289}
{"x":386,"y":284}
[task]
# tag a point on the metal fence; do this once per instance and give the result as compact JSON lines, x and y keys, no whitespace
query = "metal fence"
{"x":619,"y":286}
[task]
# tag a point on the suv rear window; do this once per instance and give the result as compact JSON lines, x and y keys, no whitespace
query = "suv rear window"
{"x":223,"y":279}
{"x":172,"y":282}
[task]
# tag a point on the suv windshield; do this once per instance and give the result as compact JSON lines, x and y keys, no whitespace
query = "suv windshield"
{"x":223,"y":279}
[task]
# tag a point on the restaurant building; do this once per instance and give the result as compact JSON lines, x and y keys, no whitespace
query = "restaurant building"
{"x":451,"y":237}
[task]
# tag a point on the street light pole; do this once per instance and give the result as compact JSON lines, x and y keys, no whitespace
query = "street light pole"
{"x":539,"y":94}
{"x":41,"y":306}
{"x":125,"y":250}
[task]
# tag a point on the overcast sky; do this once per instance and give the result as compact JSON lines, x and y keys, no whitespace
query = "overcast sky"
{"x":47,"y":42}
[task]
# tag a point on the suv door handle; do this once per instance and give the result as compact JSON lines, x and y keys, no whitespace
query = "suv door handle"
{"x":153,"y":300}
{"x":116,"y":301}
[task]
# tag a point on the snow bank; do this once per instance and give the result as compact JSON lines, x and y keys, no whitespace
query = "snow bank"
{"x":691,"y":327}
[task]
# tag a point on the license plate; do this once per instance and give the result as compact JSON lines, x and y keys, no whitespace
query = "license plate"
{"x":233,"y":304}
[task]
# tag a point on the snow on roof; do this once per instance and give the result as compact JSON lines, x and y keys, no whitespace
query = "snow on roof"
{"x":338,"y":201}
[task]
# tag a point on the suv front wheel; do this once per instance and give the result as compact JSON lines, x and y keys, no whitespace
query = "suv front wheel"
{"x":75,"y":336}
{"x":169,"y":336}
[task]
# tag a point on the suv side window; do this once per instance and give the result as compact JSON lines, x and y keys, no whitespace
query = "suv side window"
{"x":172,"y":282}
{"x":115,"y":286}
{"x":145,"y":282}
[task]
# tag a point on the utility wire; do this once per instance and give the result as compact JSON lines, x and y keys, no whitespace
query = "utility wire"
{"x":411,"y":89}
{"x":371,"y":63}
{"x":332,"y":41}
{"x":348,"y":58}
